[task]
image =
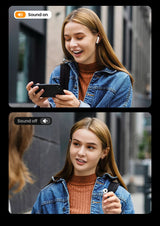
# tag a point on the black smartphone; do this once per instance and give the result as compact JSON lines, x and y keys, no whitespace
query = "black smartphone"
{"x":50,"y":90}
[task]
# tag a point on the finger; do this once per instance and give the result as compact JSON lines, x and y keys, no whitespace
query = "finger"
{"x":112,"y":205}
{"x":39,"y":93}
{"x":41,"y":100}
{"x":63,"y":103}
{"x":113,"y":211}
{"x":28,"y":86}
{"x":58,"y":102}
{"x":111,"y":199}
{"x":108,"y":194}
{"x":69,"y":96}
{"x":36,"y":97}
{"x":62,"y":97}
{"x":112,"y":208}
{"x":67,"y":92}
{"x":32,"y":91}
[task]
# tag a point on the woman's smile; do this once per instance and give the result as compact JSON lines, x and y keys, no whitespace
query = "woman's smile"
{"x":80,"y":161}
{"x":77,"y":53}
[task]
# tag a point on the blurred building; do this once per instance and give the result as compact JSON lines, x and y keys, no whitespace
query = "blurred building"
{"x":35,"y":47}
{"x":27,"y":48}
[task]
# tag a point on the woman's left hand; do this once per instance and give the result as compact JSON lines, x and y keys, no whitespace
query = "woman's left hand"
{"x":111,"y":204}
{"x":67,"y":100}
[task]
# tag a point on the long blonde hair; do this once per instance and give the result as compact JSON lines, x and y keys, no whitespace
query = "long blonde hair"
{"x":20,"y":137}
{"x":105,"y":53}
{"x":106,"y":165}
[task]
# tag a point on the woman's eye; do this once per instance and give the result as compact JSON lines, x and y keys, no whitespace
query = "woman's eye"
{"x":76,"y":144}
{"x":79,"y":38}
{"x":67,"y":40}
{"x":90,"y":147}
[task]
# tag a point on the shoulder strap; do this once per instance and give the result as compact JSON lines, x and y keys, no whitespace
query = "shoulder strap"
{"x":113,"y":186}
{"x":64,"y":75}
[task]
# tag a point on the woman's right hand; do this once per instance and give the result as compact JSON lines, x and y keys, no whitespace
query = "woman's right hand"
{"x":36,"y":98}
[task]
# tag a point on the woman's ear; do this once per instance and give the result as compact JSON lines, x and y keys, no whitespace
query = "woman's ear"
{"x":105,"y":152}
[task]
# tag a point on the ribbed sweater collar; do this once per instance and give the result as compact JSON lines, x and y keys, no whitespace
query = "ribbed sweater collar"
{"x":90,"y":68}
{"x":83,"y":180}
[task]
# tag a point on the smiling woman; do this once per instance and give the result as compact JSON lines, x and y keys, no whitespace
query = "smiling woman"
{"x":96,"y":77}
{"x":89,"y":169}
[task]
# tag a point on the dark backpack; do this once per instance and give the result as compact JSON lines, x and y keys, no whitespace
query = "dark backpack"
{"x":113,"y":186}
{"x":64,"y":75}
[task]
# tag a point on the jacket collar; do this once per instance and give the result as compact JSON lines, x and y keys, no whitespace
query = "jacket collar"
{"x":108,"y":71}
{"x":56,"y":181}
{"x":106,"y":175}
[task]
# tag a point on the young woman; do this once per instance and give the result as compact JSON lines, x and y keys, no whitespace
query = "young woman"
{"x":89,"y":168}
{"x":97,"y":78}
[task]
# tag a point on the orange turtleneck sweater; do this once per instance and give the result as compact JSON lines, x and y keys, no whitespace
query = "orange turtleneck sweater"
{"x":80,"y":192}
{"x":86,"y":72}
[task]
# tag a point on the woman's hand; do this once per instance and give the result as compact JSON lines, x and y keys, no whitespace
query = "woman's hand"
{"x":67,"y":100}
{"x":111,"y":204}
{"x":36,"y":98}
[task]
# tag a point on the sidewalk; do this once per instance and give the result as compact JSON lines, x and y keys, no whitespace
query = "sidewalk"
{"x":138,"y":202}
{"x":137,"y":197}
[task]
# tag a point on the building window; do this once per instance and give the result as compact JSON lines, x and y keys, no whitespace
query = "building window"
{"x":124,"y":42}
{"x":23,"y":62}
{"x":69,"y":9}
{"x":96,"y":9}
{"x":111,"y":24}
{"x":130,"y":50}
{"x":127,"y":37}
{"x":31,"y":55}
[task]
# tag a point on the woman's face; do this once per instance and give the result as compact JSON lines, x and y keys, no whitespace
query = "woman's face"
{"x":80,"y":43}
{"x":85,"y":152}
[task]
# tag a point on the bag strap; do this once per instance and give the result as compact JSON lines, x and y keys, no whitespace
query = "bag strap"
{"x":113,"y":186}
{"x":64,"y":75}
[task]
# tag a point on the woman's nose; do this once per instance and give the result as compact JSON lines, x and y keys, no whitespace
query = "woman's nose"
{"x":73,"y":43}
{"x":82,"y":151}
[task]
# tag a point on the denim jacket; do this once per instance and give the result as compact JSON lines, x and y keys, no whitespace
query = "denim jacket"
{"x":108,"y":88}
{"x":54,"y":198}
